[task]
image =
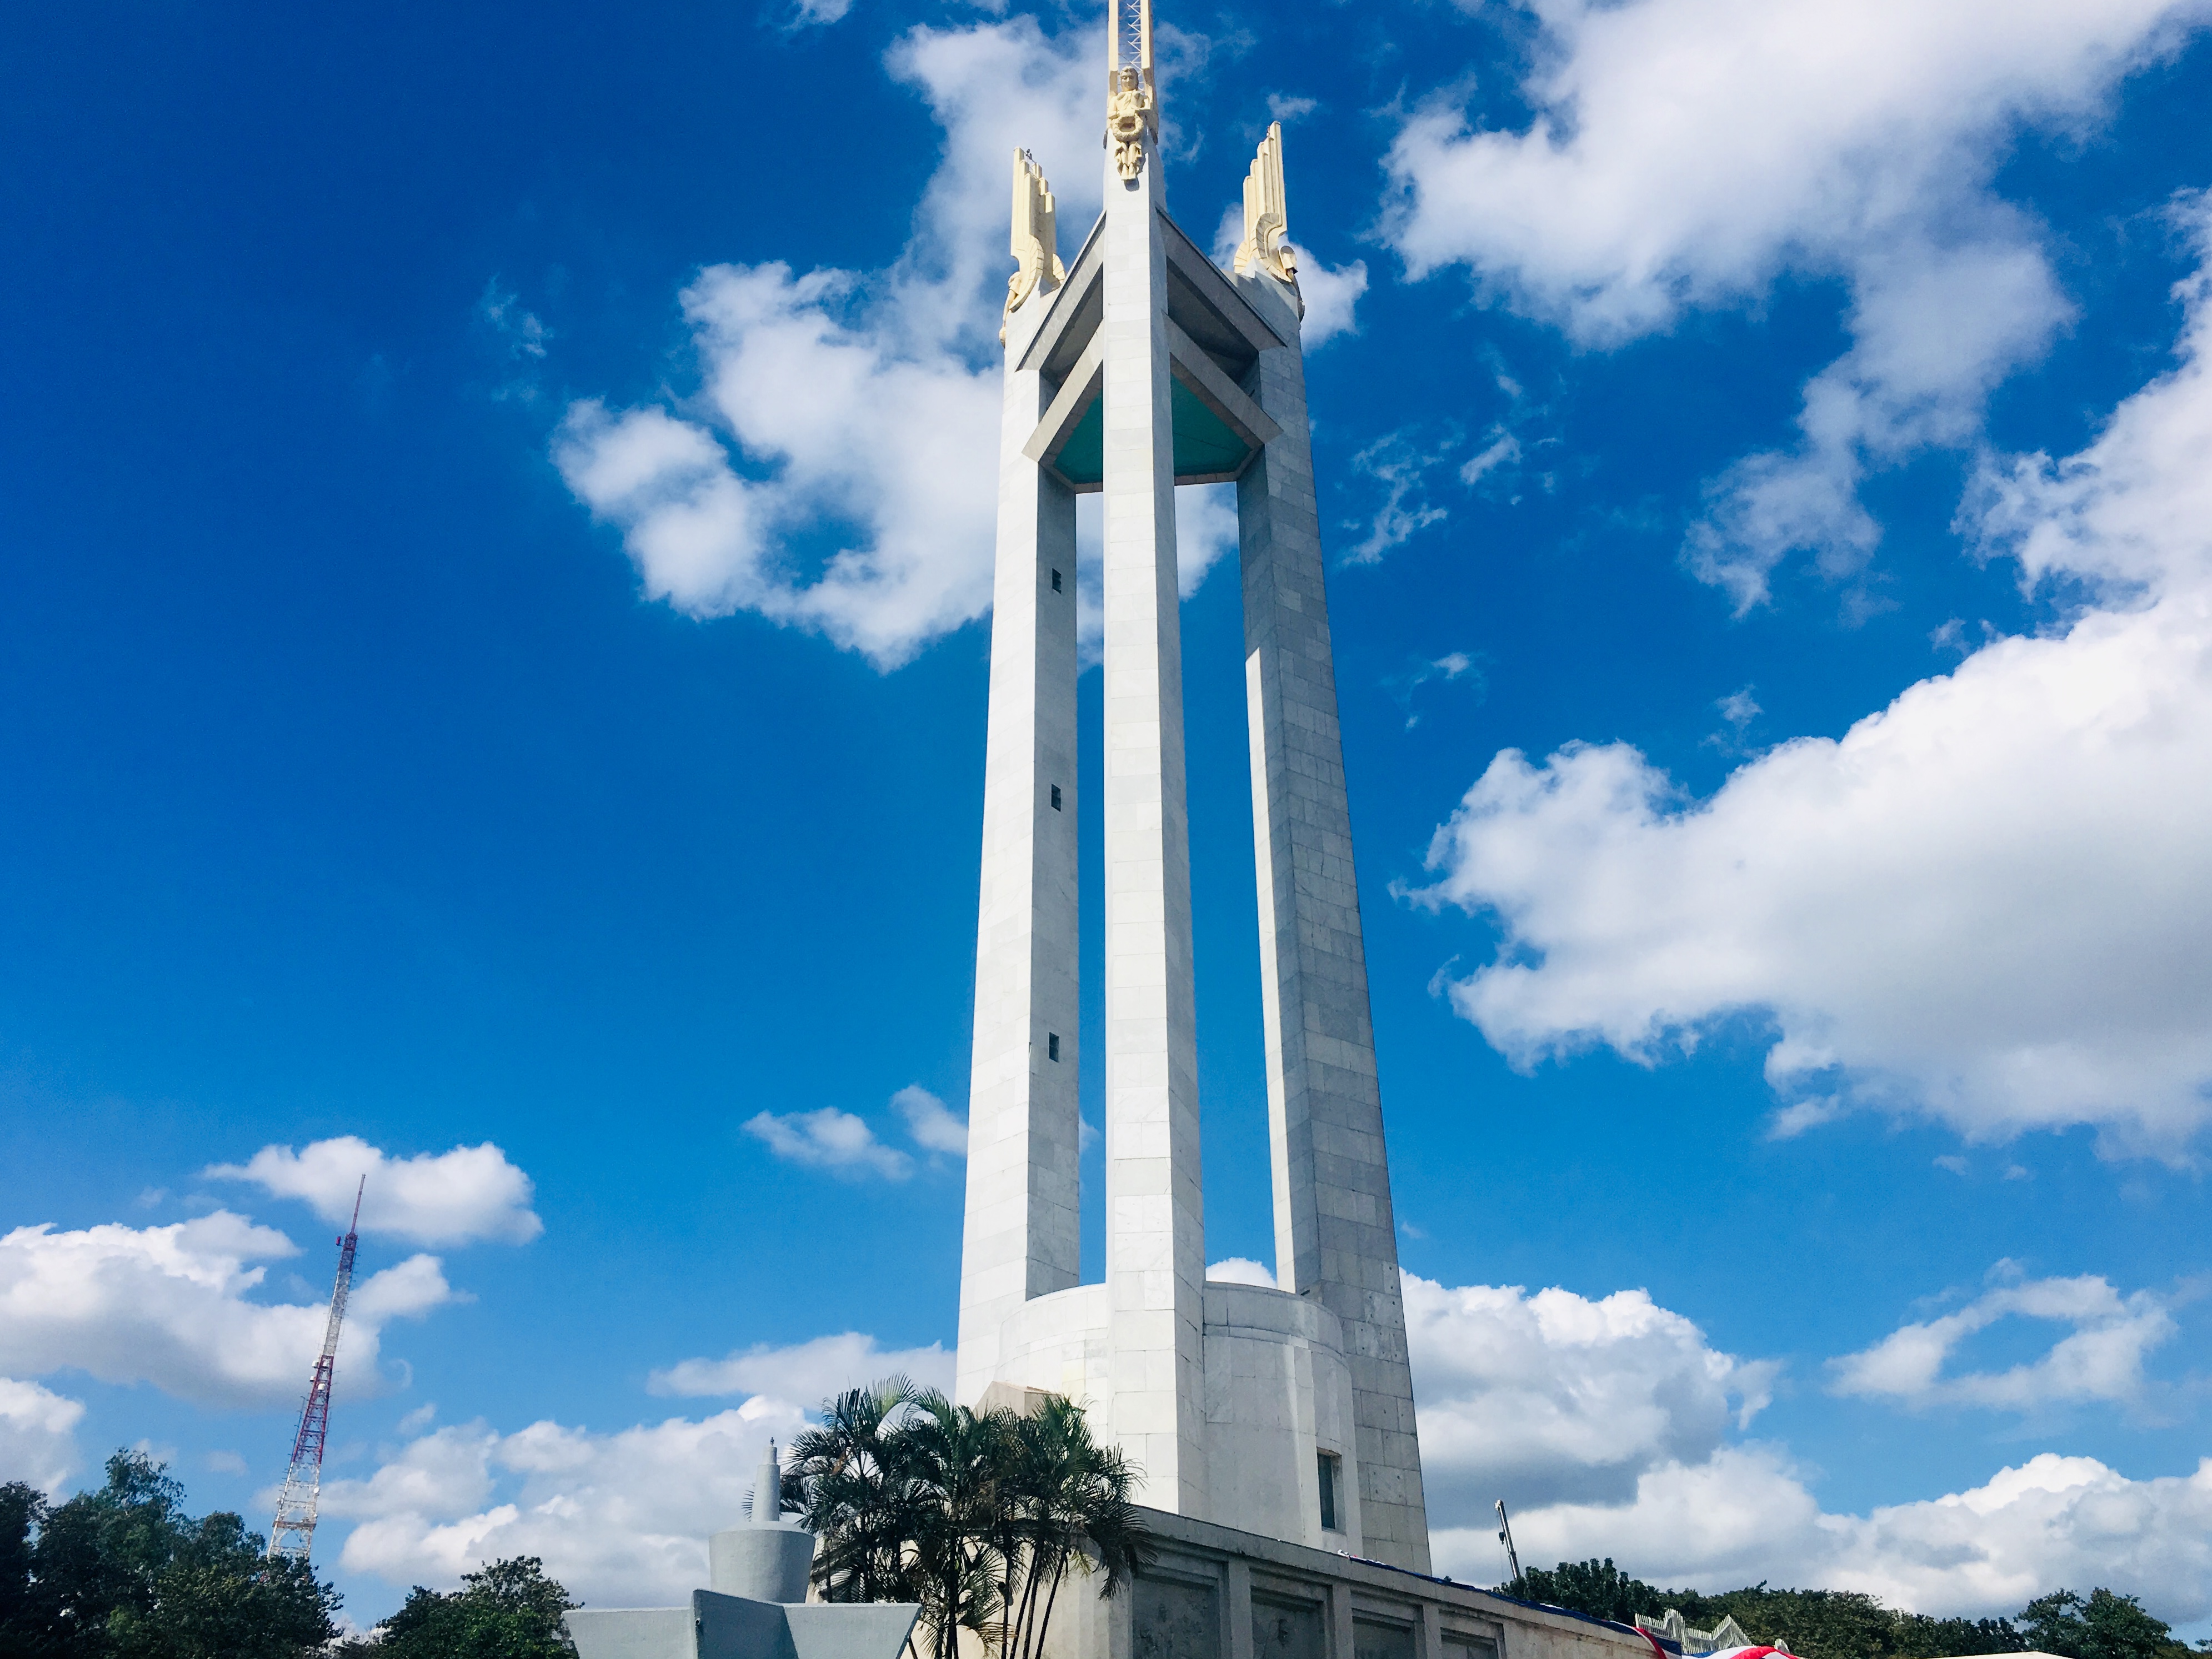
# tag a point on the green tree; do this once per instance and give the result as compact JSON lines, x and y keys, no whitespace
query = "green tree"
{"x":22,"y":1508}
{"x":848,"y":1480}
{"x":1817,"y":1624}
{"x":1922,"y":1637}
{"x":123,"y":1572}
{"x":980,"y":1516}
{"x":1072,"y":1512}
{"x":2105,"y":1626}
{"x":510,"y":1610}
{"x":1597,"y":1588}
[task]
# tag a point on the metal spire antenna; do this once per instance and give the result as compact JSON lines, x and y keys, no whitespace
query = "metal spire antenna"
{"x":293,"y":1531}
{"x":1505,"y":1537}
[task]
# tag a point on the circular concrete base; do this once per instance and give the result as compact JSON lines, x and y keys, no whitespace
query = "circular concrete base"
{"x":766,"y":1563}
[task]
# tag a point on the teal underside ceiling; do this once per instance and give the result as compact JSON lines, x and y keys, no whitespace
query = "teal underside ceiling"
{"x":1204,"y":445}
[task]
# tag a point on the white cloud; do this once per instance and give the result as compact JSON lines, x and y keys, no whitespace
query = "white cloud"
{"x":933,"y":1124}
{"x":501,"y":311}
{"x":1551,"y":1397}
{"x":2102,"y":1358}
{"x":1396,"y":462}
{"x":830,"y":1139}
{"x":1745,"y":1515}
{"x":38,"y":1434}
{"x":838,"y":470}
{"x":1991,"y":902}
{"x":1452,"y":665}
{"x":808,"y":13}
{"x":1240,"y":1270}
{"x":1605,"y":1426}
{"x":1687,"y":152}
{"x":1739,"y":708}
{"x":168,"y":1306}
{"x":1503,"y":449}
{"x":1330,"y":292}
{"x":620,"y":1519}
{"x":468,"y":1193}
{"x":846,"y":1145}
{"x":806,"y":1372}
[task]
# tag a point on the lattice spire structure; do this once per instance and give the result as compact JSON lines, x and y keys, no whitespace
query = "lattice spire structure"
{"x":293,"y":1531}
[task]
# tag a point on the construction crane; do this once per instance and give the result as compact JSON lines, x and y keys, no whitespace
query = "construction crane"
{"x":293,"y":1531}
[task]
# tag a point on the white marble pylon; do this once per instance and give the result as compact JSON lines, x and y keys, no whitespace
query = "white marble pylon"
{"x":1335,"y":1235}
{"x":1155,"y":1215}
{"x":1021,"y":1239}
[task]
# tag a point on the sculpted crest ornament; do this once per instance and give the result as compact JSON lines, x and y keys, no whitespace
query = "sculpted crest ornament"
{"x":1035,"y":242}
{"x":1266,"y":246}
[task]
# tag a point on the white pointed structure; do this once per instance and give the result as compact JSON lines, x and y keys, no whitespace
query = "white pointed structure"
{"x":1287,"y":1412}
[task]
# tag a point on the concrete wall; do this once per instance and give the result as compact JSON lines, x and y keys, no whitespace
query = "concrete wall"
{"x":1278,"y":1394}
{"x":1214,"y":1593}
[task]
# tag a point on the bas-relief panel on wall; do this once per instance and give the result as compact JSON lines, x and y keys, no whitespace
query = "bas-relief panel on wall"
{"x":1171,"y":1619}
{"x":1371,"y":1639}
{"x":1287,"y":1630}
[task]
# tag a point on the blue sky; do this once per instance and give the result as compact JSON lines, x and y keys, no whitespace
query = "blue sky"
{"x":493,"y":642}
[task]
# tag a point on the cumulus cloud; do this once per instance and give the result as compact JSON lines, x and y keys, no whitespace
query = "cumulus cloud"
{"x":1745,"y":1515}
{"x":829,"y":1140}
{"x":457,"y":1197}
{"x":935,"y":1127}
{"x":620,"y":1519}
{"x":808,"y":1372}
{"x":847,"y":1146}
{"x":1553,"y":1397}
{"x":836,"y":471}
{"x":1331,"y":293}
{"x":1611,"y":1428}
{"x":1990,"y":902}
{"x":38,"y":1434}
{"x":169,"y":1306}
{"x":2102,"y":1357}
{"x":1686,"y":153}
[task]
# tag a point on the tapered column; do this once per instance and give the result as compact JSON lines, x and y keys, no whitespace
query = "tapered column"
{"x":1335,"y":1237}
{"x":1155,"y":1225}
{"x":1022,"y":1237}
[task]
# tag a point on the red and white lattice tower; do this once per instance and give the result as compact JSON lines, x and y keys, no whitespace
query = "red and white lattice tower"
{"x":293,"y":1531}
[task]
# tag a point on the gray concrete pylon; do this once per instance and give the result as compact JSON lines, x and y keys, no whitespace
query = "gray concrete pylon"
{"x":1155,"y":1214}
{"x":1021,"y":1237}
{"x":1335,"y":1235}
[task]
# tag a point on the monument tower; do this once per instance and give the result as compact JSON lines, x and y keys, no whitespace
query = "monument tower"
{"x":1141,"y":365}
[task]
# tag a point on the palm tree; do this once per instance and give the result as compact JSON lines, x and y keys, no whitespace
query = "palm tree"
{"x":978,"y":1515}
{"x":964,"y":1467}
{"x":1076,"y":1513}
{"x":852,"y":1492}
